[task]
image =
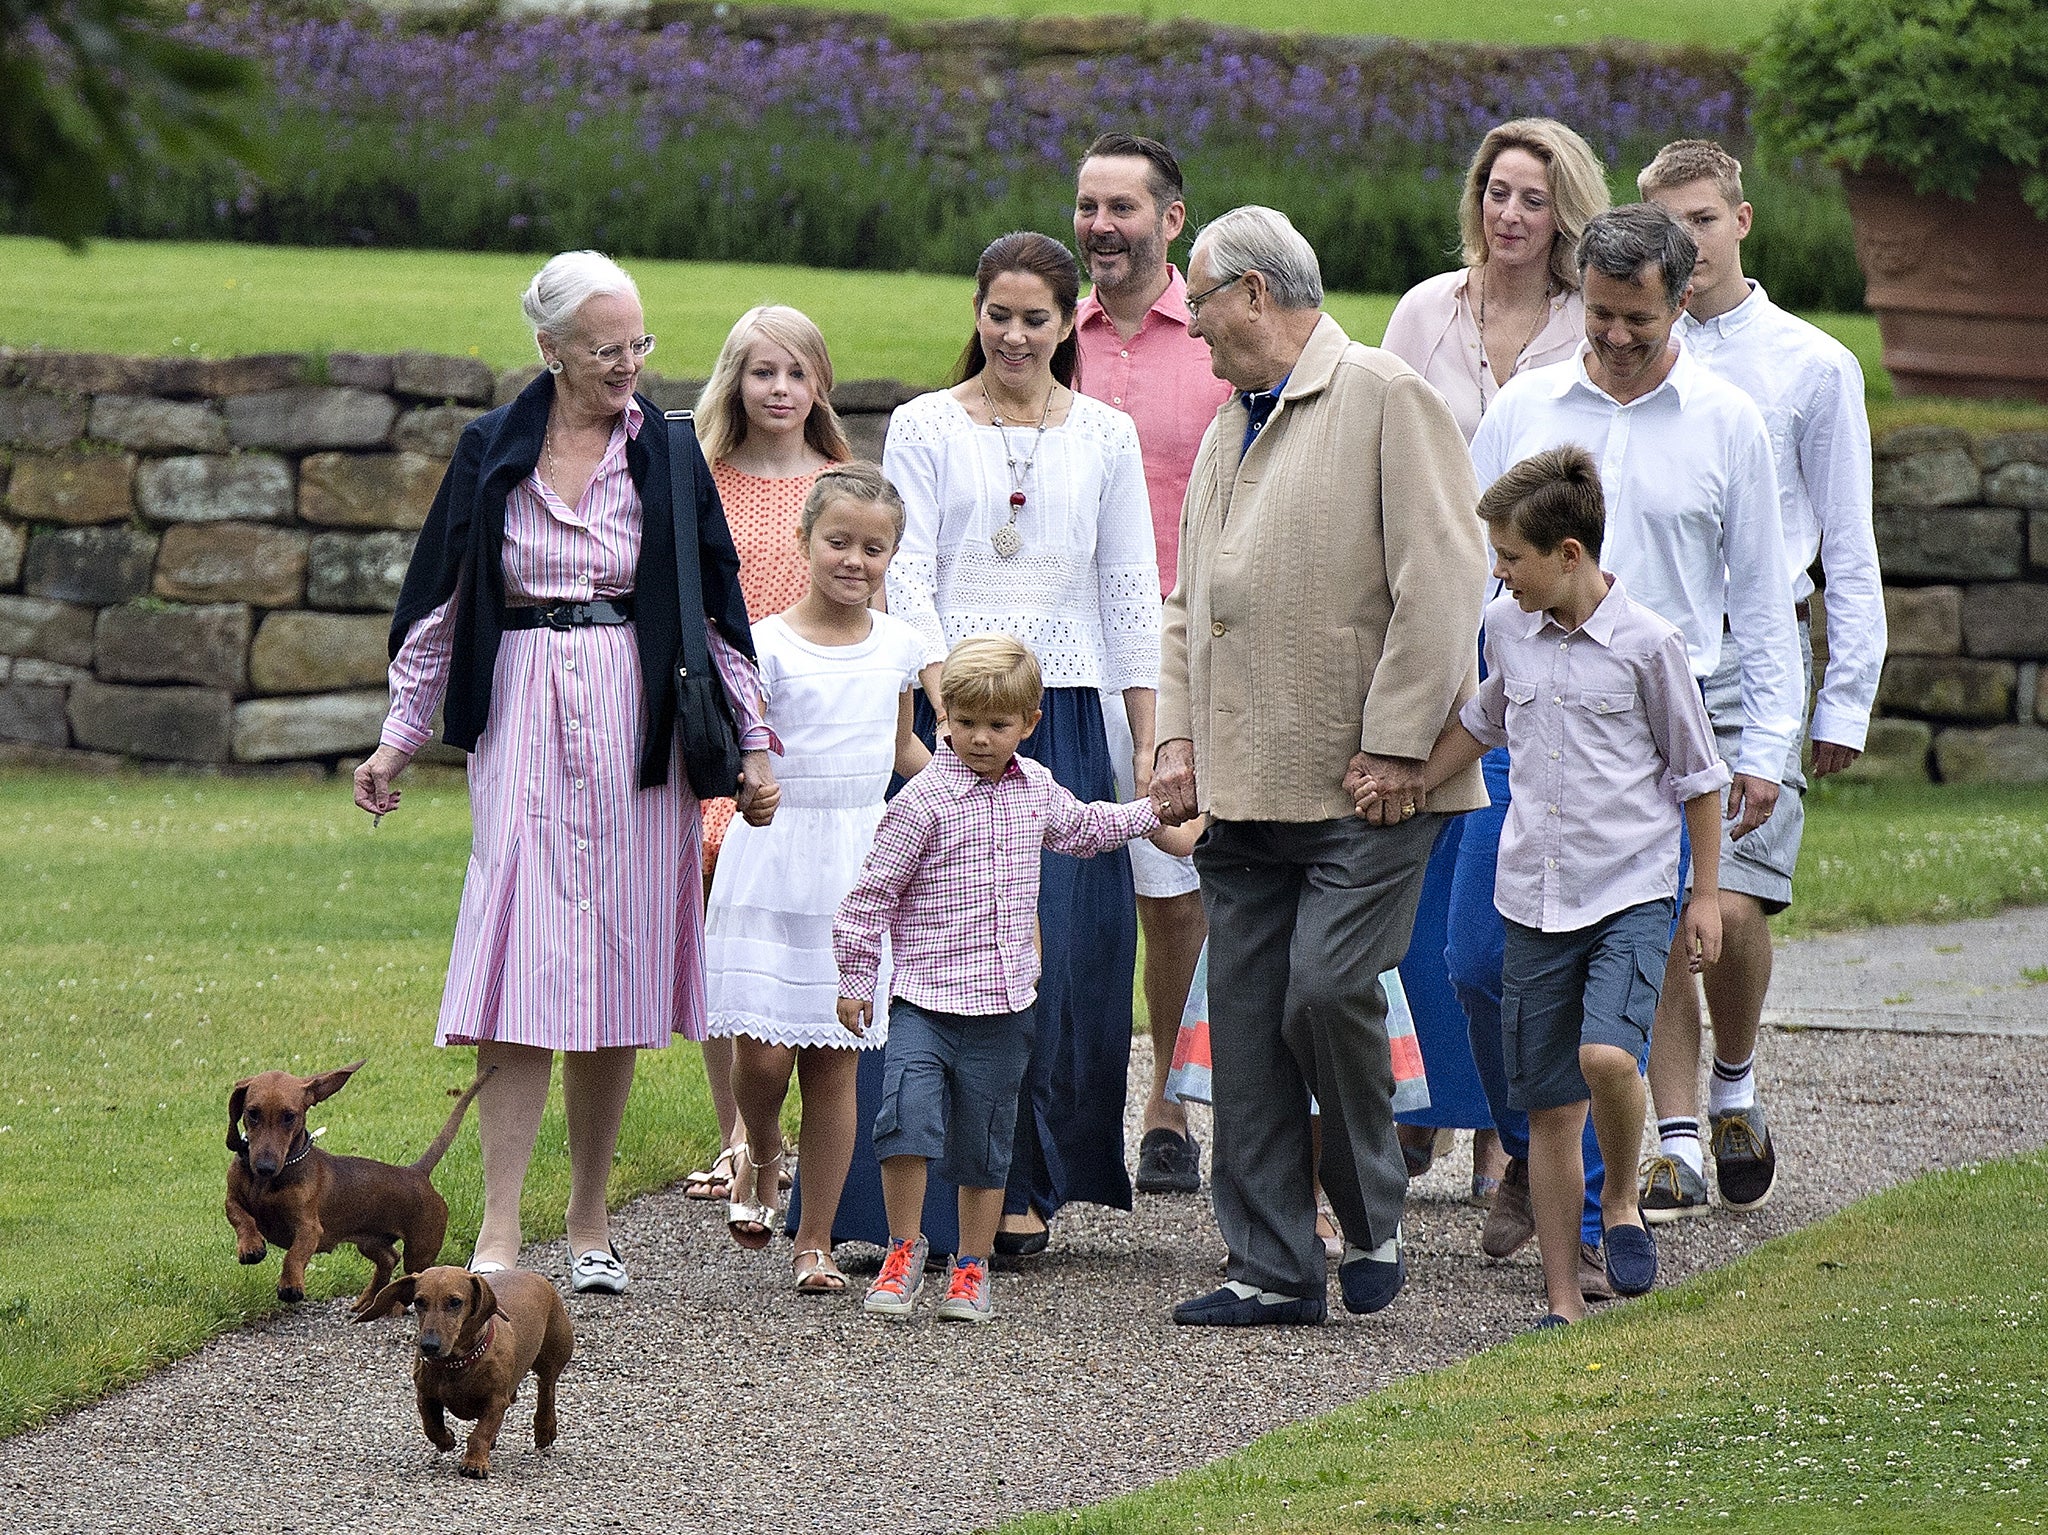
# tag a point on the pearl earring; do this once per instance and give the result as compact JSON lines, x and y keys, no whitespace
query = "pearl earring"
{"x":554,"y":365}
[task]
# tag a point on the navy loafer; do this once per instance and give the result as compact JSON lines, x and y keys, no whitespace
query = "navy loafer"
{"x":1224,"y":1307}
{"x":1371,"y":1286}
{"x":1631,"y":1259}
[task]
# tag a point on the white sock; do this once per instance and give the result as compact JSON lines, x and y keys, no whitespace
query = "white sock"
{"x":1732,"y":1085}
{"x":1680,"y":1139}
{"x":1245,"y":1291}
{"x":1387,"y":1252}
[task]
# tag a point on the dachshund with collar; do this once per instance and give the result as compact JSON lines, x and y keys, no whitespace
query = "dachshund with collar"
{"x":284,"y":1189}
{"x":478,"y":1339}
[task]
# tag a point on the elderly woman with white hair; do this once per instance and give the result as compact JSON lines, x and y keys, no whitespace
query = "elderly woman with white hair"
{"x":544,"y":604}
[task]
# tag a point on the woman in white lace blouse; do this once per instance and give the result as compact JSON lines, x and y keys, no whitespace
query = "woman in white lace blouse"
{"x":1028,"y":517}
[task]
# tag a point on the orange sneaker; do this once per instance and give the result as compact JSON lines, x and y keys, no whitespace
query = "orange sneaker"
{"x":894,"y":1291}
{"x":968,"y":1298}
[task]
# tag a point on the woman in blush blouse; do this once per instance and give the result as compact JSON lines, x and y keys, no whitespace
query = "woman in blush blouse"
{"x":1028,"y":517}
{"x":1514,"y":303}
{"x":542,"y":603}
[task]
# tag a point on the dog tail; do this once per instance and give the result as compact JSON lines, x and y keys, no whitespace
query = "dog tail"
{"x":431,"y":1158}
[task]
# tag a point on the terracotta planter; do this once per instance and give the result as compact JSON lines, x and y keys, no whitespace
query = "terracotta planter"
{"x":1960,"y":289}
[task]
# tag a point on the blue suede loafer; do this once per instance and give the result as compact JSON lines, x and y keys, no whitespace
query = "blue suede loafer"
{"x":1224,"y":1307}
{"x":1371,"y":1286}
{"x":1631,"y":1259}
{"x":1550,"y":1321}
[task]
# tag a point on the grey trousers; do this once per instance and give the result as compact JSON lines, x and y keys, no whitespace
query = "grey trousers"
{"x":1302,"y":920}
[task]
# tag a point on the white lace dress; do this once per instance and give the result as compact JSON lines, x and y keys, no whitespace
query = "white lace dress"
{"x":768,"y":933}
{"x":1082,"y":590}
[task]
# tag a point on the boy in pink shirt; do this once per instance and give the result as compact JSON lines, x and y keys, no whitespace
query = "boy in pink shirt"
{"x":1594,"y":696}
{"x":953,"y":881}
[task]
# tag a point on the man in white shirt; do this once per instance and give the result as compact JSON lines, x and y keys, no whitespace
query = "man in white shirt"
{"x":1810,"y":390}
{"x":1693,"y":517}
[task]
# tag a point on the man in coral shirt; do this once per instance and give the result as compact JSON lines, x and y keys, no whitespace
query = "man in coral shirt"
{"x":1137,"y":355}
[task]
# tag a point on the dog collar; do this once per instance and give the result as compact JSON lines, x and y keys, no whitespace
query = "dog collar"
{"x":474,"y":1354}
{"x":292,"y":1159}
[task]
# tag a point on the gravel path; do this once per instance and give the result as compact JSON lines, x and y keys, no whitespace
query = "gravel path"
{"x":712,"y":1398}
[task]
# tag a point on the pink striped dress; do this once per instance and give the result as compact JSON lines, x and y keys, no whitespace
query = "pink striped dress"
{"x":582,"y":919}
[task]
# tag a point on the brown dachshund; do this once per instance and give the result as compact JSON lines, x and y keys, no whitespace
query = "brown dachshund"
{"x":284,"y":1189}
{"x":478,"y":1338}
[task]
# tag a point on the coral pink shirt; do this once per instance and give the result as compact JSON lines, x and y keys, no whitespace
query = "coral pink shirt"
{"x":1161,"y":379}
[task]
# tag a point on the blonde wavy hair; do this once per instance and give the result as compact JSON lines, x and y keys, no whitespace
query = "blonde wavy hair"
{"x":721,"y":415}
{"x":1578,"y":190}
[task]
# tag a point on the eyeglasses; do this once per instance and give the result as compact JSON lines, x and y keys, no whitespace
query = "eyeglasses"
{"x":1197,"y":300}
{"x":639,"y":346}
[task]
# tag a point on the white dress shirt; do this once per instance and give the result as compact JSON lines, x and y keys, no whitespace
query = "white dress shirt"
{"x":1810,"y":390}
{"x":1692,"y":521}
{"x":1082,"y":590}
{"x":1607,"y":737}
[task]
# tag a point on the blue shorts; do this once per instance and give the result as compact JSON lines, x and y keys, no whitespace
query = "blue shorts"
{"x":949,"y":1090}
{"x":1597,"y":985}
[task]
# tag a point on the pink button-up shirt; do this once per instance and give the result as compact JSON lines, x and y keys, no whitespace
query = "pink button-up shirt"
{"x":557,"y":553}
{"x":1607,"y":737}
{"x":1161,"y":379}
{"x":953,"y":879}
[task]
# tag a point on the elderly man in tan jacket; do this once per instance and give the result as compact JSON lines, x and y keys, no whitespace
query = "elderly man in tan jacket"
{"x":1331,"y":577}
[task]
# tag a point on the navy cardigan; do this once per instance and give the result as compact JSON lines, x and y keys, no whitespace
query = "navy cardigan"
{"x":460,"y":553}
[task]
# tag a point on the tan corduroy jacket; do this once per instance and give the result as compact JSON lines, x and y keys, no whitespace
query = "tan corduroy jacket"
{"x":1330,"y":586}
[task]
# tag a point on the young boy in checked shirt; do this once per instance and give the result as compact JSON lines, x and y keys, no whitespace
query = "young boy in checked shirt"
{"x":1607,"y":735}
{"x":953,"y":880}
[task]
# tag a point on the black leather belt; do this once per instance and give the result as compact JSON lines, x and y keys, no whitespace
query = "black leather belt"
{"x":572,"y":615}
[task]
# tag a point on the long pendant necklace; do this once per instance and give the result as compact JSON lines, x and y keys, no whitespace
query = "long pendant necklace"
{"x":1485,"y":367}
{"x":1006,"y":540}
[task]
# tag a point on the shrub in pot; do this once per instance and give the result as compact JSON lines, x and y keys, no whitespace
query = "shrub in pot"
{"x":1936,"y":112}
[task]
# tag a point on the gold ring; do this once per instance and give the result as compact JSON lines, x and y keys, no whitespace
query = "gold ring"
{"x":1409,"y":808}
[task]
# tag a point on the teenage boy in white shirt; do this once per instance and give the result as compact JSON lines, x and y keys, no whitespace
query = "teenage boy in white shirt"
{"x":1810,"y":390}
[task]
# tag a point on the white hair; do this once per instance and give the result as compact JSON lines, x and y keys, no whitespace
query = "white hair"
{"x":1264,"y":240}
{"x":566,"y":284}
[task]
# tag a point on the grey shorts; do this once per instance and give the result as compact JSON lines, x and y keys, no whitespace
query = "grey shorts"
{"x":1762,"y":863}
{"x":1595,"y":986}
{"x":949,"y":1090}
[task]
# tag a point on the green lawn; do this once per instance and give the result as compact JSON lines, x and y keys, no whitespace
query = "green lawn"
{"x":1515,"y":21}
{"x":151,"y":299}
{"x":1883,"y":1373}
{"x":167,"y":936}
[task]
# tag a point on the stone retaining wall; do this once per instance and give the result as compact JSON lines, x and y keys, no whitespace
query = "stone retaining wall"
{"x":198,"y":560}
{"x":1962,"y":536}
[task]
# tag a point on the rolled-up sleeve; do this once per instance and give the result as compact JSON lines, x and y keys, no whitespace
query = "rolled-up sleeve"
{"x":744,"y":691}
{"x":1678,"y":722}
{"x":419,"y":680}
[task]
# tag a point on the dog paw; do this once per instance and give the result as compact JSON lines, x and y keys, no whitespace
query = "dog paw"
{"x":252,"y":1254}
{"x":290,"y":1294}
{"x":444,"y":1442}
{"x":476,"y":1472}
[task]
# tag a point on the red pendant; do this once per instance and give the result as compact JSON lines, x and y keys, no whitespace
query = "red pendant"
{"x":1016,"y":498}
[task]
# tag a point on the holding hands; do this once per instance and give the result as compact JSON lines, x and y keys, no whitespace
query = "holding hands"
{"x":1386,"y":790}
{"x":759,"y":793}
{"x":855,"y":1016}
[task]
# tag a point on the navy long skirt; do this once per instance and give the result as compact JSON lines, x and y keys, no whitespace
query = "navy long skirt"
{"x":1457,"y":1097}
{"x":1070,"y":1120}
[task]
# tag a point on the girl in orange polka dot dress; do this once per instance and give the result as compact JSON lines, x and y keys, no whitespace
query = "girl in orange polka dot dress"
{"x":767,"y":425}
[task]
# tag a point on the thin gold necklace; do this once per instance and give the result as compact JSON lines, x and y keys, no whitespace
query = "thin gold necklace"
{"x":1485,"y":367}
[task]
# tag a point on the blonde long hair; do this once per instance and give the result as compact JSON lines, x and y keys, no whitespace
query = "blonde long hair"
{"x":1578,"y":190}
{"x":721,"y":415}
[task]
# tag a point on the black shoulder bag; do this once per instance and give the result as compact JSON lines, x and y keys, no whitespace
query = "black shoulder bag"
{"x":704,"y":722}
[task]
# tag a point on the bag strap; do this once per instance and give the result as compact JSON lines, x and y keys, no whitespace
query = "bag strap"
{"x":682,"y":495}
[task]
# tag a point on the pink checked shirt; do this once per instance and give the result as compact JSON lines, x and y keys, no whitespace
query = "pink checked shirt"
{"x":1161,"y":379}
{"x":953,"y":880}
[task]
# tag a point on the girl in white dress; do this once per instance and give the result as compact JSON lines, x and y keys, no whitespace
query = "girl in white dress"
{"x":838,"y":677}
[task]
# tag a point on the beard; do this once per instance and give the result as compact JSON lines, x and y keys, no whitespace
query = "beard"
{"x":1128,"y":263}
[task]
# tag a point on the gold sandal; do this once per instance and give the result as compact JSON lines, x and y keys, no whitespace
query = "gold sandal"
{"x":752,"y":1225}
{"x":713,"y":1182}
{"x":819,"y":1276}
